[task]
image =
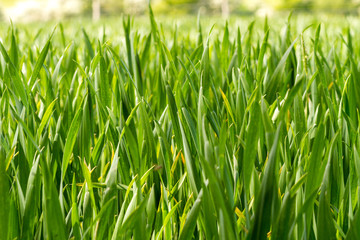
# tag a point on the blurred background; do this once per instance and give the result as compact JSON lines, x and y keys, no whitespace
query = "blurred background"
{"x":43,"y":10}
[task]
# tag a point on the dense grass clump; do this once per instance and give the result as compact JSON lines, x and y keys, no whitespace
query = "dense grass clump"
{"x":247,"y":130}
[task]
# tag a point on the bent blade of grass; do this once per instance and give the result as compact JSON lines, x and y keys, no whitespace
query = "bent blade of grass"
{"x":190,"y":223}
{"x":98,"y":217}
{"x":173,"y":111}
{"x":39,"y":63}
{"x":270,"y":86}
{"x":325,"y":226}
{"x":282,"y":228}
{"x":228,"y":107}
{"x":190,"y":166}
{"x":88,"y":44}
{"x":298,"y":184}
{"x":25,"y":128}
{"x":14,"y":50}
{"x":111,"y":179}
{"x":31,"y":200}
{"x":290,"y":98}
{"x":261,"y":56}
{"x":251,"y":140}
{"x":167,"y":219}
{"x":70,"y":140}
{"x":45,"y":118}
{"x":265,"y":211}
{"x":20,"y":88}
{"x":120,"y":219}
{"x":53,"y":215}
{"x":56,"y":71}
{"x":314,"y":162}
{"x":192,"y":127}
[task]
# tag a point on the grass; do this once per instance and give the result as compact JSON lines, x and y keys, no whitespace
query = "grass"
{"x":241,"y":130}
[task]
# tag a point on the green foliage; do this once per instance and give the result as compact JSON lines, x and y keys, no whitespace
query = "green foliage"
{"x":150,"y":131}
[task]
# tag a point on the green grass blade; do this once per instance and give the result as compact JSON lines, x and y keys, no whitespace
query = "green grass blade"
{"x":55,"y":225}
{"x":70,"y":140}
{"x":190,"y":223}
{"x":4,"y":197}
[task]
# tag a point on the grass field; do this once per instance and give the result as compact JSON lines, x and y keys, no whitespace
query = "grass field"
{"x":180,"y":129}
